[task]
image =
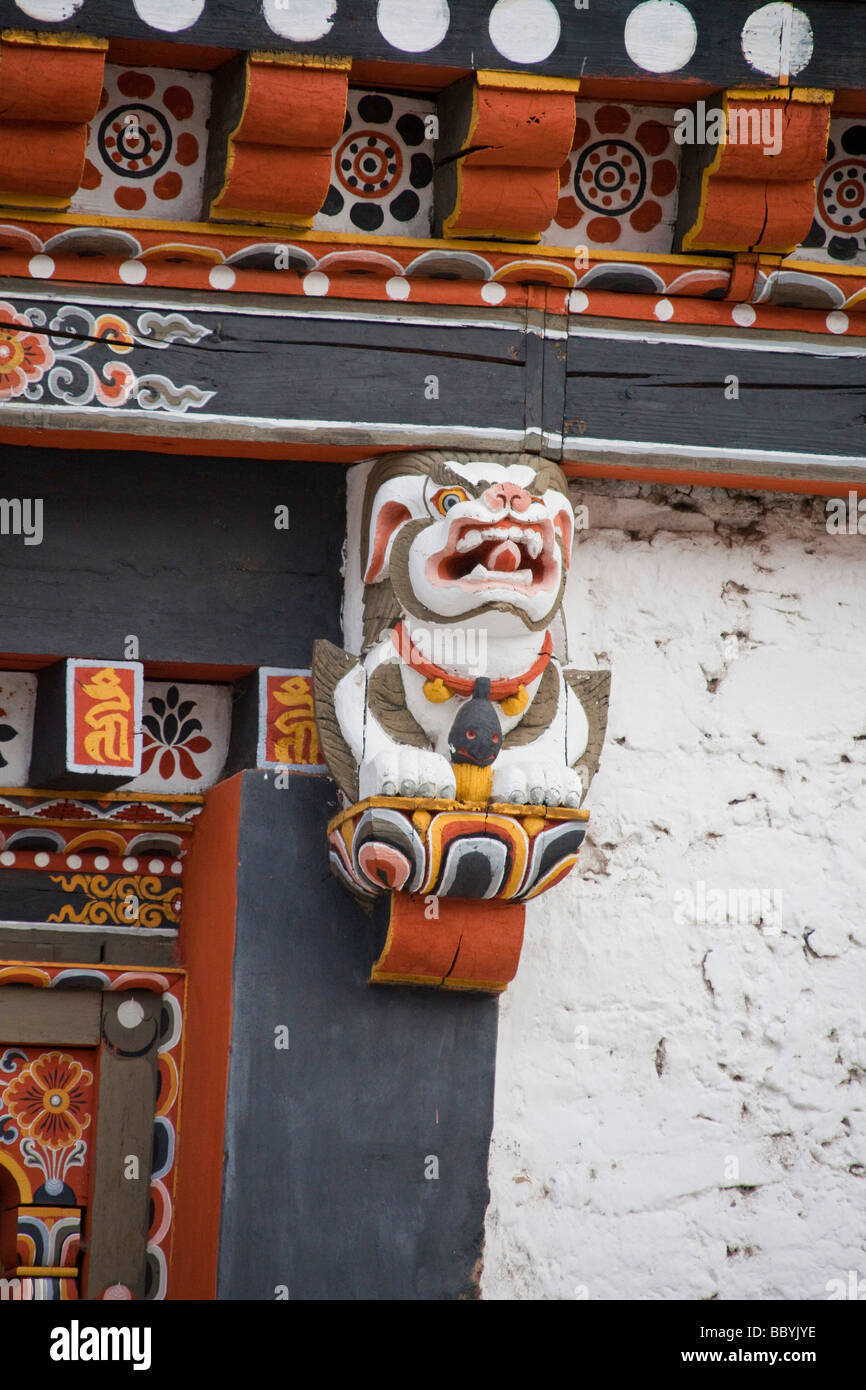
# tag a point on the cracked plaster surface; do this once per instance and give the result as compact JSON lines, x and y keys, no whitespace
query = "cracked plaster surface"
{"x":682,"y":1069}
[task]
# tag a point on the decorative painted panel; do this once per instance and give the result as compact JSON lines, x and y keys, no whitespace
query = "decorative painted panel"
{"x":287,"y":727}
{"x":382,"y":169}
{"x":186,"y":734}
{"x":619,"y":184}
{"x":47,"y":1104}
{"x":171,"y":985}
{"x":838,"y":231}
{"x":146,"y":146}
{"x":104,"y":716}
{"x":17,"y":707}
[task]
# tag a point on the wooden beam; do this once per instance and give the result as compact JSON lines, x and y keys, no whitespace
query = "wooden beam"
{"x":117,"y":1240}
{"x":62,"y":1017}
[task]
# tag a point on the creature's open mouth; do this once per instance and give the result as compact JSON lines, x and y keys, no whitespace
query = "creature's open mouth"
{"x":508,"y":552}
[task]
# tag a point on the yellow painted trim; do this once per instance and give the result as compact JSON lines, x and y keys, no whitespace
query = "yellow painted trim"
{"x":301,"y":60}
{"x":526,"y":81}
{"x":367,"y":242}
{"x":48,"y":40}
{"x":301,"y":224}
{"x":824,"y":267}
{"x":483,"y":986}
{"x":449,"y":805}
{"x":813,"y":96}
{"x":103,"y":796}
{"x":22,"y":1182}
{"x":47,"y":1271}
{"x":34,"y":200}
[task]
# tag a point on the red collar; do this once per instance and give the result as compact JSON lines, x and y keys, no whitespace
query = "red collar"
{"x":463,"y":685}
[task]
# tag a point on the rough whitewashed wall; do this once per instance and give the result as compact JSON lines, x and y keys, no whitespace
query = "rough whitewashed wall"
{"x":680,"y":1103}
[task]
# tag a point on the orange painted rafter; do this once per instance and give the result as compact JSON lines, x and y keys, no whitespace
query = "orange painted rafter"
{"x":49,"y":90}
{"x":752,"y":200}
{"x":278,"y":156}
{"x":505,"y":138}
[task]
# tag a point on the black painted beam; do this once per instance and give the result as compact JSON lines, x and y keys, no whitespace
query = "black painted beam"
{"x":357,"y":1155}
{"x":704,"y":40}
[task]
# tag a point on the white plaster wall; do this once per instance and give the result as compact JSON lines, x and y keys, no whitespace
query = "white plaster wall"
{"x":644,"y":1062}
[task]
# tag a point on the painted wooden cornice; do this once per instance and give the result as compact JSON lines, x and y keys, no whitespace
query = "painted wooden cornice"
{"x":276,"y":120}
{"x":503,"y":138}
{"x":50,"y":86}
{"x":742,"y":197}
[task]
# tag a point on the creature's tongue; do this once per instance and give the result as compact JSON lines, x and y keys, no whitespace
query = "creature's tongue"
{"x":505,"y":556}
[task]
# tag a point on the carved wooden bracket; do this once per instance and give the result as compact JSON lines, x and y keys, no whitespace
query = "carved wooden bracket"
{"x":503,"y":138}
{"x":50,"y":86}
{"x":275,"y":122}
{"x":753,"y":189}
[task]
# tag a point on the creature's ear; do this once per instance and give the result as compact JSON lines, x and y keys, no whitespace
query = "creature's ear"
{"x":563,"y":520}
{"x":396,"y":502}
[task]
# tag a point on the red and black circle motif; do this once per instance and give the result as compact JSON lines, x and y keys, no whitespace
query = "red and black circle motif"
{"x":369,"y":164}
{"x":610,"y":177}
{"x":842,"y":195}
{"x":135,"y":140}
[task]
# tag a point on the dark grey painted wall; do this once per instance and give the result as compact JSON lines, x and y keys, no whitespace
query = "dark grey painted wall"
{"x":326,"y":1142}
{"x":180,"y":551}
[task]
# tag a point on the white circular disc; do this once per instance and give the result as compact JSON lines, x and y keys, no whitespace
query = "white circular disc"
{"x":303,"y":21}
{"x":660,"y":35}
{"x":524,"y":31}
{"x":664,"y":309}
{"x":132,"y":272}
{"x":413,"y":25}
{"x":836,"y":321}
{"x":316,"y":282}
{"x":130,"y":1013}
{"x":41,"y":267}
{"x":578,"y":302}
{"x":169,"y":15}
{"x":222,"y":277}
{"x":766,"y":36}
{"x":493,"y":293}
{"x":49,"y":10}
{"x":744,"y":315}
{"x":397,"y":287}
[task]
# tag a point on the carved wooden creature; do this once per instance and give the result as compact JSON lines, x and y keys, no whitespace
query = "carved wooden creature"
{"x":457,"y":718}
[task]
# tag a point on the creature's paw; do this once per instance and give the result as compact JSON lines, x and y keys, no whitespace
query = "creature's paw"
{"x":537,"y":784}
{"x":403,"y":771}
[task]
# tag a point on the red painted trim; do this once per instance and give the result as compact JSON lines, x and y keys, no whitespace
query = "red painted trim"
{"x":108,"y":441}
{"x":696,"y":478}
{"x":210,"y":908}
{"x":143,"y":53}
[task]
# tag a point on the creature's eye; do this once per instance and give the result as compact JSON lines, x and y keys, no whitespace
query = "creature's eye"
{"x":448,"y":497}
{"x":470,"y":733}
{"x":494,"y":738}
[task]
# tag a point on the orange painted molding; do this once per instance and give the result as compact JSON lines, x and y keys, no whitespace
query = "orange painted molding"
{"x":501,"y":149}
{"x":757,"y":193}
{"x":50,"y":86}
{"x":471,"y":945}
{"x":210,"y":904}
{"x":277,"y":151}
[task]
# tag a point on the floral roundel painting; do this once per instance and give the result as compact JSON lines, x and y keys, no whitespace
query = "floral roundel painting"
{"x":618,"y":187}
